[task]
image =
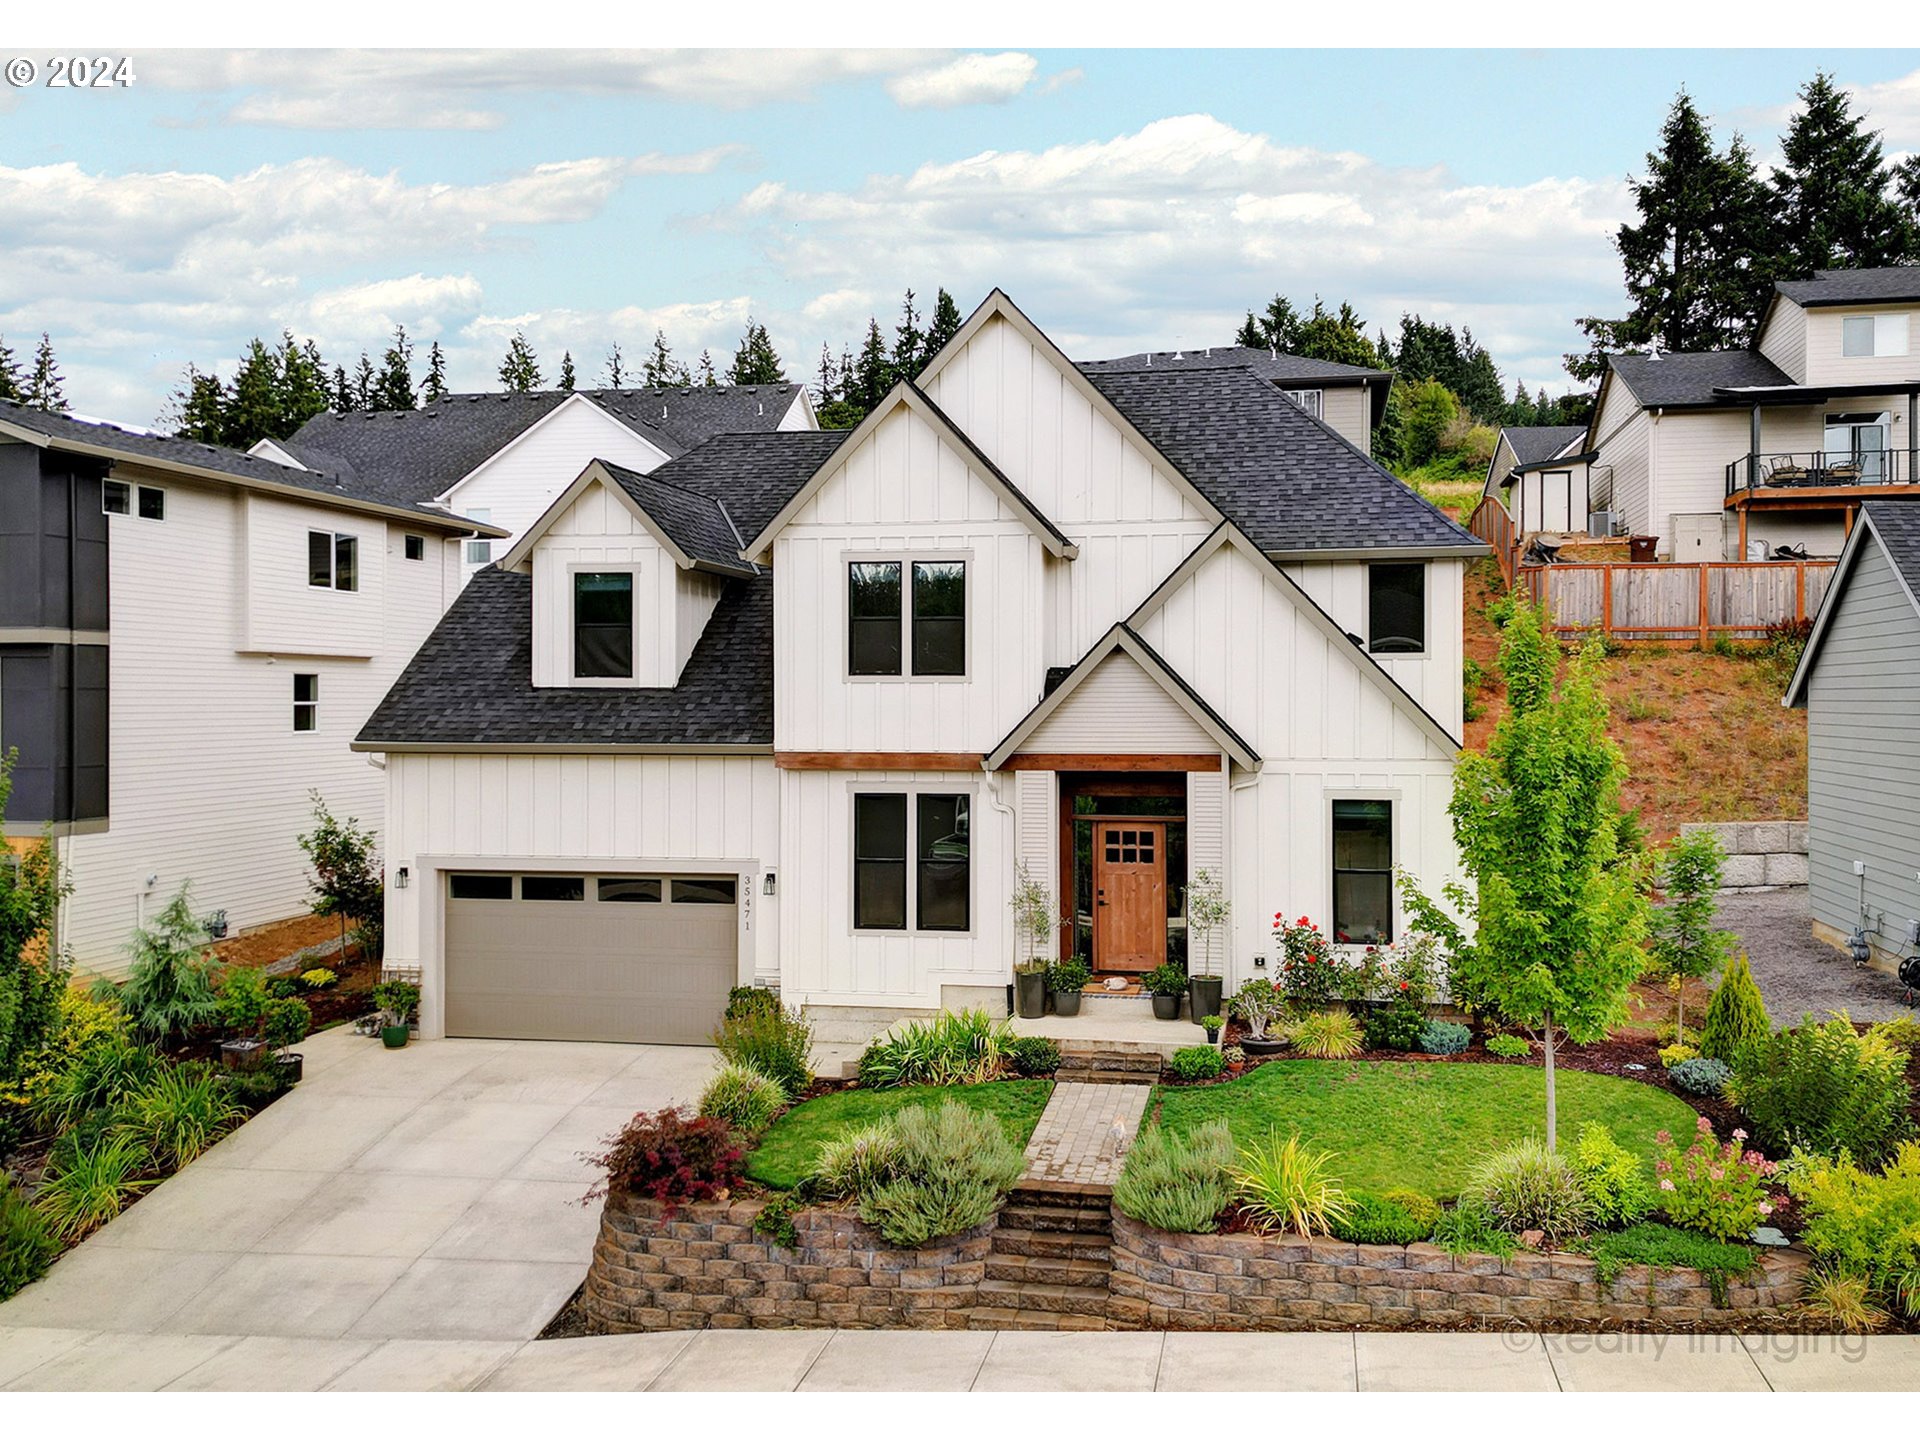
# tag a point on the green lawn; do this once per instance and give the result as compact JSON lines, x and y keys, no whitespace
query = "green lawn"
{"x":786,"y":1155}
{"x":1418,"y":1125}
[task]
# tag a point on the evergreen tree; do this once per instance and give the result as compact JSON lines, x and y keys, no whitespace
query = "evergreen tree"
{"x":1336,"y":335}
{"x":870,"y":385}
{"x":566,"y":370}
{"x":944,"y":324}
{"x":436,"y":386}
{"x":825,"y":389}
{"x":908,"y":341}
{"x":661,"y":368}
{"x":520,"y":367}
{"x":1249,"y":334}
{"x":200,"y":408}
{"x":1278,"y":327}
{"x":707,"y":375}
{"x":1480,"y":389}
{"x":342,"y":391}
{"x":254,"y":409}
{"x":12,"y":384}
{"x":1521,"y":410}
{"x":303,"y":383}
{"x":393,"y":385}
{"x":1698,"y":264}
{"x":44,"y":390}
{"x":366,"y":382}
{"x":616,"y":368}
{"x":1389,"y":436}
{"x":755,"y":362}
{"x":1835,"y":198}
{"x":1429,"y":351}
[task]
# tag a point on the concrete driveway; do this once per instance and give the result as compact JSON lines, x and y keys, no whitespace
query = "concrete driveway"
{"x":430,"y":1193}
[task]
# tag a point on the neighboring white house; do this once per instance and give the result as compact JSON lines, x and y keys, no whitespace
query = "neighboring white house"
{"x":1717,"y":452}
{"x":1350,"y":398}
{"x":791,"y":708}
{"x":189,"y":638}
{"x":501,"y":458}
{"x":1540,"y":474}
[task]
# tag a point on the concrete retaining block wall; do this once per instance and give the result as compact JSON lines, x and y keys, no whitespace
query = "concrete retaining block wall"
{"x":1267,"y":1282}
{"x":1761,"y":854}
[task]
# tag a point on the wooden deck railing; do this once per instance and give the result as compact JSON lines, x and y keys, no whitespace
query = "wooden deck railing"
{"x":1686,"y":602}
{"x":1492,"y":524}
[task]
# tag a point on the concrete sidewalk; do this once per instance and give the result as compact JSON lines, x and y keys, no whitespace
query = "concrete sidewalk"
{"x":866,"y":1360}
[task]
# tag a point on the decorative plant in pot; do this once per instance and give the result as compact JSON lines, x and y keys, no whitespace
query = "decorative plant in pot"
{"x":242,"y":1007}
{"x":1208,"y":911}
{"x":1213,"y":1025}
{"x":284,"y":1024}
{"x":1166,"y":983}
{"x":397,"y":1000}
{"x":1257,"y":1004}
{"x":1033,"y":922}
{"x":1065,"y":980}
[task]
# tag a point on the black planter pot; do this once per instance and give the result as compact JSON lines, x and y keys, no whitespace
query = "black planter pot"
{"x":292,"y":1067}
{"x":1066,"y":1002}
{"x":1030,"y":994}
{"x":1262,"y":1047}
{"x":1203,"y":996}
{"x":1166,"y":1007}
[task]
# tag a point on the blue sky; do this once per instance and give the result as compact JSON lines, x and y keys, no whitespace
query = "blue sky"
{"x":1124,"y":198}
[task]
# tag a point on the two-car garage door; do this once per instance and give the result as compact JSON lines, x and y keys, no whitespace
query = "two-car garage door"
{"x":643,"y":958}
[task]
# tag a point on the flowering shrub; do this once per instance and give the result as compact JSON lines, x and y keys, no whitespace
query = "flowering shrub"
{"x":1716,"y":1189}
{"x":670,"y":1157}
{"x":1307,"y":966}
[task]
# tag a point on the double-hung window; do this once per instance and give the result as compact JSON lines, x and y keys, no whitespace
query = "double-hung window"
{"x":1397,"y":608}
{"x":306,"y":702}
{"x":333,"y":560}
{"x":1363,"y":872}
{"x":603,"y":625}
{"x":479,"y":551}
{"x":912,"y":862}
{"x":907,"y":617}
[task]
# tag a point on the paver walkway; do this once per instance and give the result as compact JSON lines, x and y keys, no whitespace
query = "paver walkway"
{"x":781,"y":1360}
{"x":1084,"y":1132}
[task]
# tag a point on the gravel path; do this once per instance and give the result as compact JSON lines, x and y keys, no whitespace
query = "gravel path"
{"x":1796,"y":973}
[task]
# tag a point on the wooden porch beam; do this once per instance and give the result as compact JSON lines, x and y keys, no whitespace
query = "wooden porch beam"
{"x":876,"y":759}
{"x":1113,"y":762}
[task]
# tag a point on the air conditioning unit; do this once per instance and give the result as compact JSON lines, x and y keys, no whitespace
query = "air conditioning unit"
{"x":1600,"y":524}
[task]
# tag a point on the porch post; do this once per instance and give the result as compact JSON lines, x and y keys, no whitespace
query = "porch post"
{"x":1913,"y":441}
{"x":1753,"y":453}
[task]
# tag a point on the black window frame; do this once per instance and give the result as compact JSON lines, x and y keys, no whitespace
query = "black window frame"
{"x":876,"y":642}
{"x":929,"y":868}
{"x":150,"y":502}
{"x":611,"y":634}
{"x":917,"y":619}
{"x":413,"y":547}
{"x":1395,"y":644}
{"x":1334,"y":915}
{"x":869,"y":859}
{"x":341,"y":552}
{"x":910,"y":875}
{"x":306,"y":708}
{"x":898,"y":641}
{"x":112,"y":489}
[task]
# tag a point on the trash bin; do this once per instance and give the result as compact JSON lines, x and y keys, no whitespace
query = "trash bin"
{"x":1640,"y":548}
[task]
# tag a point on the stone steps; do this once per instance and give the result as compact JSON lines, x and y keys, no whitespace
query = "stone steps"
{"x":1109,"y":1067}
{"x":1052,"y":1270}
{"x":1046,"y":1218}
{"x":1048,"y":1299}
{"x":1013,"y":1317}
{"x":1012,"y":1241}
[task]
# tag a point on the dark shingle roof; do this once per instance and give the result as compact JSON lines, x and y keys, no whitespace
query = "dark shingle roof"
{"x":419,"y":454}
{"x":1886,"y":285}
{"x":336,"y":482}
{"x":471,"y":682}
{"x":1285,"y":369}
{"x":1533,"y":443}
{"x":1289,"y":481}
{"x":1693,"y":378}
{"x":1897,"y":523}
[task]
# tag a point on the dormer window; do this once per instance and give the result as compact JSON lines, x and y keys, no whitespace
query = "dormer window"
{"x":1865,"y":335}
{"x":603,"y":625}
{"x":907,"y":617}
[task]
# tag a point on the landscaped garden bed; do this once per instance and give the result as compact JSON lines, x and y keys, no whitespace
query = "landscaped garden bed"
{"x":790,"y":1149}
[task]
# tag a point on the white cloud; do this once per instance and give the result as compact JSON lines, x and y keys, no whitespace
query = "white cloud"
{"x":1166,"y":236}
{"x":462,"y":89}
{"x":968,"y":80}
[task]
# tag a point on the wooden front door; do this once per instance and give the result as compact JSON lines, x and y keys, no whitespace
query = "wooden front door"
{"x":1129,"y":895}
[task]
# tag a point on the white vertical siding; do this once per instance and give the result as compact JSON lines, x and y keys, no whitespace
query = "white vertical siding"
{"x":208,"y":780}
{"x":1339,"y":587}
{"x":599,"y":531}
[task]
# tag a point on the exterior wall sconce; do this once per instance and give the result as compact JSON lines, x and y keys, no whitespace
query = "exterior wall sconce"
{"x":400,"y":878}
{"x":768,"y":886}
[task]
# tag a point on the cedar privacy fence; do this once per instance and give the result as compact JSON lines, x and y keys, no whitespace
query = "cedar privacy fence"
{"x":1693,"y":603}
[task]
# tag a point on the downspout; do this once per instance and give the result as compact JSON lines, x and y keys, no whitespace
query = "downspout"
{"x":1913,"y":442}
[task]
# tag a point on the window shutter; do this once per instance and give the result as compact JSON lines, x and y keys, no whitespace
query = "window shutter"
{"x":1036,"y":800}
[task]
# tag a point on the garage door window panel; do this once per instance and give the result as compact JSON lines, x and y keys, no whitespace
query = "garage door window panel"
{"x":623,"y":891}
{"x":553,"y":887}
{"x":480,"y":887}
{"x":702,"y":890}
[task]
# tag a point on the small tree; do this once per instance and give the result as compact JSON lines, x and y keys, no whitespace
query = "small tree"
{"x":1033,"y":914}
{"x":1736,"y":1016}
{"x":347,"y":880}
{"x":1207,"y":910}
{"x":1560,"y":916}
{"x":32,"y":974}
{"x":169,"y":987}
{"x":1685,"y":944}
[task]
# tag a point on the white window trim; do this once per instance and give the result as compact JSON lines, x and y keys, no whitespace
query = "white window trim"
{"x":1318,"y":409}
{"x":1426,"y":610}
{"x":603,"y":682}
{"x":312,"y":705}
{"x":334,"y":537}
{"x":905,"y":559}
{"x":407,"y":540}
{"x":912,"y":791}
{"x":1887,"y":330}
{"x":481,"y":515}
{"x":1397,"y":859}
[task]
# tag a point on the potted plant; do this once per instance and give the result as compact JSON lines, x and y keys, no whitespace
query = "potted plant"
{"x":1207,"y":912}
{"x":285,"y":1024}
{"x":241,"y":1006}
{"x":1033,"y":922}
{"x":1213,"y":1025}
{"x":1235,"y":1057}
{"x":1257,"y":1005}
{"x":1065,"y":980}
{"x":397,"y":1000}
{"x":1166,"y":983}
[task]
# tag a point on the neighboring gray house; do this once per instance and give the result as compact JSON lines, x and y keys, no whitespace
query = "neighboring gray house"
{"x":1859,"y":682}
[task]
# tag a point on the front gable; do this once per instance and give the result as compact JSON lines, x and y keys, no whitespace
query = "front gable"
{"x":517,"y":482}
{"x":1290,"y":680}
